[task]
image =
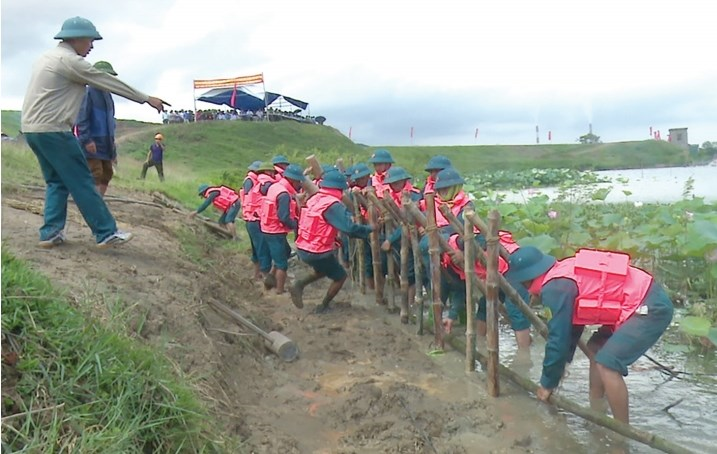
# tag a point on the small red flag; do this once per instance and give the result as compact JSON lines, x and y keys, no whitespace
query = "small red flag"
{"x":650,"y":131}
{"x":550,"y":135}
{"x":412,"y":132}
{"x":350,"y":128}
{"x":233,"y":99}
{"x":476,"y":136}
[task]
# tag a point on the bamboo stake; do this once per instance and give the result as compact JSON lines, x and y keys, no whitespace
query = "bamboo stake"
{"x":405,"y":239}
{"x":389,"y":227}
{"x":483,"y":227}
{"x":469,"y":254}
{"x":375,"y":253}
{"x":492,"y":302}
{"x":417,"y":265}
{"x":434,"y":251}
{"x":568,"y":405}
{"x":360,"y":251}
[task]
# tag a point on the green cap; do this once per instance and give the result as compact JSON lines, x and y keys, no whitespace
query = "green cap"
{"x":105,"y":66}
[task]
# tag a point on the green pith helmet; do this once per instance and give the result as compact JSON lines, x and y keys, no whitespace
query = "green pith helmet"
{"x":254,"y":165}
{"x":280,"y":159}
{"x":334,"y":179}
{"x":527,"y":263}
{"x":294,"y":172}
{"x":438,"y":163}
{"x":105,"y":66}
{"x":396,"y":174}
{"x":360,"y":170}
{"x":78,"y":27}
{"x":202,"y":188}
{"x":381,"y":156}
{"x":266,"y":166}
{"x":448,"y":177}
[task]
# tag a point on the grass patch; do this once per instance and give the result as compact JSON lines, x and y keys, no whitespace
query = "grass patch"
{"x":70,"y":385}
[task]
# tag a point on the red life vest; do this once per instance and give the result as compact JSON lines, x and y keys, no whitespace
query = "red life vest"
{"x":270,"y":222}
{"x":226,"y":197}
{"x":279,"y":173}
{"x":429,"y":187}
{"x":250,"y":176}
{"x":480,"y":270}
{"x":316,"y":235}
{"x":253,"y":199}
{"x":458,"y":203}
{"x":397,"y":196}
{"x":378,"y":185}
{"x":609,"y":289}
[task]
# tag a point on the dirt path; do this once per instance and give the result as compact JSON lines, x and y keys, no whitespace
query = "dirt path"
{"x":363,"y":383}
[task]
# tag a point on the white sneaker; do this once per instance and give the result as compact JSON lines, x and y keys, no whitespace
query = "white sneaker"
{"x":116,"y":239}
{"x":55,"y":240}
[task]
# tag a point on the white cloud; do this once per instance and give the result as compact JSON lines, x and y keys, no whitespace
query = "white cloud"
{"x":384,"y":66}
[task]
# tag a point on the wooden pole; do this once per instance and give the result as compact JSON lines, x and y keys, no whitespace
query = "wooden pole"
{"x":375,"y":252}
{"x":417,"y":263}
{"x":405,"y":303}
{"x":568,"y":405}
{"x":360,"y":251}
{"x":389,"y":227}
{"x":469,"y":254}
{"x":492,"y":303}
{"x":435,"y":254}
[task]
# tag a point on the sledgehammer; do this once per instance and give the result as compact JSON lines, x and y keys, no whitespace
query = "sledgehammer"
{"x":282,"y":346}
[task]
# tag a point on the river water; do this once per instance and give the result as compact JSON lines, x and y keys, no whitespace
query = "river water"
{"x":692,"y":423}
{"x":645,"y":185}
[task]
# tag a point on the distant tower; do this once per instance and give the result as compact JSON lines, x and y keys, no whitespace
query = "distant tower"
{"x":678,"y":136}
{"x":537,"y":135}
{"x":590,"y":128}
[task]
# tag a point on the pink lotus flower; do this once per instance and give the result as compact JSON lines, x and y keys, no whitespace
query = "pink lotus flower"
{"x":552,"y":214}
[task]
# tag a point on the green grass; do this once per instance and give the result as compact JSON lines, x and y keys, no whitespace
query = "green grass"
{"x":10,"y":120}
{"x":78,"y":387}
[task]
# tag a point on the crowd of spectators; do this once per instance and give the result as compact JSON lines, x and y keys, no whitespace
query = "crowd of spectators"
{"x":189,"y":116}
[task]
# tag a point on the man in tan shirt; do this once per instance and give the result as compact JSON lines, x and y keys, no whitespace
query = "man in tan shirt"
{"x":51,"y":105}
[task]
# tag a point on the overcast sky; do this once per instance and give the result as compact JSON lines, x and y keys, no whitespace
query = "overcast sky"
{"x":381,"y":67}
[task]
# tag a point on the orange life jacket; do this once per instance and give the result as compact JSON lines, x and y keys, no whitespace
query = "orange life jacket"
{"x":457,"y":205}
{"x":270,"y":222}
{"x":253,"y":199}
{"x":429,"y":187}
{"x":609,"y":289}
{"x":378,"y":185}
{"x":226,"y":197}
{"x":397,"y":196}
{"x":316,"y":235}
{"x":480,"y":270}
{"x":251,"y":176}
{"x":279,"y":173}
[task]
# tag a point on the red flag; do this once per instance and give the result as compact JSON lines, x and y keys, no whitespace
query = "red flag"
{"x":350,"y":128}
{"x":550,"y":135}
{"x":411,"y":132}
{"x":233,"y":99}
{"x":476,"y":136}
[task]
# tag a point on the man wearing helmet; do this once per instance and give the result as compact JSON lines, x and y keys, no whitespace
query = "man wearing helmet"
{"x":52,"y":103}
{"x":155,"y":156}
{"x":224,"y":199}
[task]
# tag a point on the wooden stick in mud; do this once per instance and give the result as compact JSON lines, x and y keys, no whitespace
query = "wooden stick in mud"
{"x":492,"y":302}
{"x":508,"y":289}
{"x":568,"y":405}
{"x":389,"y":227}
{"x":359,"y":246}
{"x":417,"y":263}
{"x":435,"y":254}
{"x":213,"y":226}
{"x":405,"y":303}
{"x":478,"y":222}
{"x":469,"y":254}
{"x":375,"y":253}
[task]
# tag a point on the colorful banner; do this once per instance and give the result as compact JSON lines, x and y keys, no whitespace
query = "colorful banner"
{"x":229,"y":83}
